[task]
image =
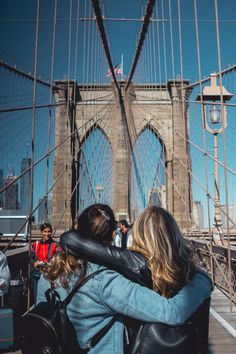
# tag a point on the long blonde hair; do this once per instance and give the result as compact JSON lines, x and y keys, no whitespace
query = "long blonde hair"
{"x":157,"y":236}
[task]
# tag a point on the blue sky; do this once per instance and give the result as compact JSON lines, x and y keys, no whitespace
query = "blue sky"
{"x":17,"y":31}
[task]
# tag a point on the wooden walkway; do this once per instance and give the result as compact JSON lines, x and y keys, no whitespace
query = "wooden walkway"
{"x":222,"y":327}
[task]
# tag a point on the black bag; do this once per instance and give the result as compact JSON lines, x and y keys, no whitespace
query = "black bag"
{"x":47,"y":328}
{"x":191,"y":337}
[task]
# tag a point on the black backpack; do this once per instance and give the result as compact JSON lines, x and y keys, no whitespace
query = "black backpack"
{"x":48,"y":330}
{"x":158,"y":338}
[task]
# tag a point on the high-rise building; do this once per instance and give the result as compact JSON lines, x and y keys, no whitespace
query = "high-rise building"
{"x":1,"y":186}
{"x":198,"y":213}
{"x":11,"y":193}
{"x":45,"y":209}
{"x":25,"y":186}
{"x":157,"y":196}
{"x":232,"y":215}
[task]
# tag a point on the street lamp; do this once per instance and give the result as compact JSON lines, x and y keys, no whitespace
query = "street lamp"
{"x":99,"y":189}
{"x":216,"y":115}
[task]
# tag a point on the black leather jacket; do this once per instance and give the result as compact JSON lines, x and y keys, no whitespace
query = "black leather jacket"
{"x":132,"y":265}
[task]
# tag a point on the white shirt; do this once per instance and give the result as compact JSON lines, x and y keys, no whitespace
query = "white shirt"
{"x":5,"y":275}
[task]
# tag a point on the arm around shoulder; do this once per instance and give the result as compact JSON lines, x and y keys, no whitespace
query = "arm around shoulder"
{"x":132,"y":265}
{"x":144,"y":304}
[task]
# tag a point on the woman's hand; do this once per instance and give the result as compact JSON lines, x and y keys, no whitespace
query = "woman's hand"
{"x":3,"y":283}
{"x":37,"y":264}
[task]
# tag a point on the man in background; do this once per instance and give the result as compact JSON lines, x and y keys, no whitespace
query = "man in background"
{"x":125,"y":231}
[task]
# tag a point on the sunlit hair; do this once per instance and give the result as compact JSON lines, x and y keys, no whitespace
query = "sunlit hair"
{"x":157,"y":236}
{"x":61,"y":267}
{"x":98,"y":222}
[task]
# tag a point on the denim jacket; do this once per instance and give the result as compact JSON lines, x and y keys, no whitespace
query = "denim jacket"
{"x":109,"y":293}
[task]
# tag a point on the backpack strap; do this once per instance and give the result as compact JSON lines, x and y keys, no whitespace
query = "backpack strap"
{"x":49,"y":250}
{"x":98,"y":336}
{"x":53,"y":296}
{"x":79,"y":283}
{"x":37,"y":243}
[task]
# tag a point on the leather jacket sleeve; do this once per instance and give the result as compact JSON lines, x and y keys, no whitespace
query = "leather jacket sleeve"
{"x":132,"y":265}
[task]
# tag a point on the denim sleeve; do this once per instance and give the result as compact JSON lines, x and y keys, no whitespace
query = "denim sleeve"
{"x":125,"y":297}
{"x":43,"y":286}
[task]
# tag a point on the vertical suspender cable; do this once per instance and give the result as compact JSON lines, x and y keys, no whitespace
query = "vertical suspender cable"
{"x":164,"y":38}
{"x":88,"y":56}
{"x":171,"y":43}
{"x":150,"y":59}
{"x":68,"y":110}
{"x":75,"y":135}
{"x":154,"y":54}
{"x":182,"y":87}
{"x":50,"y":109}
{"x":158,"y":45}
{"x":225,"y":156}
{"x":204,"y":135}
{"x":32,"y":143}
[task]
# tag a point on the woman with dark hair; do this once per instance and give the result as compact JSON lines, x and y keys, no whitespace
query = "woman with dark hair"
{"x":41,"y":252}
{"x":44,"y":249}
{"x":109,"y":295}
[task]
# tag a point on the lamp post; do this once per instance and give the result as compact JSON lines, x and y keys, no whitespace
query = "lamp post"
{"x":99,"y":189}
{"x":217,"y":115}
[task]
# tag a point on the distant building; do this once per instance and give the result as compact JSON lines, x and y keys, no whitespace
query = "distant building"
{"x":157,"y":196}
{"x":41,"y":211}
{"x":1,"y":186}
{"x":198,"y":213}
{"x":11,"y":193}
{"x":232,"y":215}
{"x":25,"y":186}
{"x":44,"y":209}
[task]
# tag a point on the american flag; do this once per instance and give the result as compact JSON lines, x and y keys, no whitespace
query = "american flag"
{"x":117,"y":71}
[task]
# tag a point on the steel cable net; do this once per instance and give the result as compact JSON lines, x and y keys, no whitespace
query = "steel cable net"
{"x":147,"y":172}
{"x":16,"y":110}
{"x":95,"y":173}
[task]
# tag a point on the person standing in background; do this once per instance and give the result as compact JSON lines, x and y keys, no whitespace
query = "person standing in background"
{"x":125,"y":233}
{"x":41,"y":252}
{"x":5,"y":275}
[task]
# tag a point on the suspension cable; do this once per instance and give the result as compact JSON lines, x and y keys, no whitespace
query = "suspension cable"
{"x":146,"y":21}
{"x":99,"y":18}
{"x":24,"y":74}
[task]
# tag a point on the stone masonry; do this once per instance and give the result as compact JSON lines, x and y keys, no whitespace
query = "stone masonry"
{"x":159,"y":107}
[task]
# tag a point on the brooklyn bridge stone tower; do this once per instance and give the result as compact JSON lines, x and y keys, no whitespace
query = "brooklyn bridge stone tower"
{"x":168,"y":105}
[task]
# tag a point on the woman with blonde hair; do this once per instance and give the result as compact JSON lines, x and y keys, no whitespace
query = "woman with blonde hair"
{"x":108,"y":296}
{"x":157,"y":236}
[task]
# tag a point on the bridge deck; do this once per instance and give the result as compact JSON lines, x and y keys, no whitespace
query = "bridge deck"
{"x":222,"y":327}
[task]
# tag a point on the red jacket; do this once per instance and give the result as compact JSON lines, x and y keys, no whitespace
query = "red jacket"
{"x":44,"y":250}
